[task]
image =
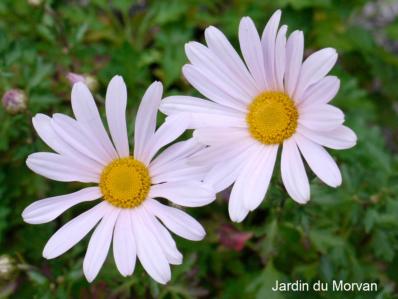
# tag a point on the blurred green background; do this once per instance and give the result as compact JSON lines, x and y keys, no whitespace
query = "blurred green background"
{"x":349,"y":233}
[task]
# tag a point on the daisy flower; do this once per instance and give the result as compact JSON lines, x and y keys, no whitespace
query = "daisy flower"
{"x":273,"y":100}
{"x":128,"y":212}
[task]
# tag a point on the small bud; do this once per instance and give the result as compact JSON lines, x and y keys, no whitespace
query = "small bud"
{"x":87,"y":79}
{"x":7,"y":267}
{"x":35,"y":2}
{"x":91,"y":82}
{"x":15,"y":101}
{"x":74,"y":78}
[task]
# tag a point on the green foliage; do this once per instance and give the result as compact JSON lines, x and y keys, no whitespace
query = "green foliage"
{"x":348,"y":233}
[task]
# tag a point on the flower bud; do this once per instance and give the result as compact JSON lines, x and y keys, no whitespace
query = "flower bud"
{"x":35,"y":2}
{"x":87,"y":79}
{"x":74,"y":78}
{"x":15,"y":101}
{"x":7,"y":267}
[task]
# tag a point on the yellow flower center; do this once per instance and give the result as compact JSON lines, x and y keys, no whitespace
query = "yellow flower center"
{"x":125,"y":182}
{"x":272,"y":117}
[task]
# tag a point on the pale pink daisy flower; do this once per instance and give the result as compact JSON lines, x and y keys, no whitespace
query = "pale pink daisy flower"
{"x":128,"y":212}
{"x":273,"y":101}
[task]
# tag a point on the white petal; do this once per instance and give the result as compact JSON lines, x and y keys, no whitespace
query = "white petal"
{"x":99,"y":244}
{"x":213,"y":136}
{"x":145,"y":122}
{"x":73,"y":231}
{"x":340,"y":138}
{"x":60,"y":168}
{"x":181,"y":193}
{"x":260,"y":171}
{"x":174,"y":152}
{"x":203,"y":113}
{"x":88,"y":118}
{"x":314,"y":68}
{"x":321,"y":163}
{"x":115,"y":104}
{"x":48,"y":209}
{"x":220,"y":46}
{"x":224,"y":173}
{"x":294,"y":58}
{"x":177,"y":171}
{"x":236,"y":209}
{"x":252,"y":183}
{"x":176,"y":220}
{"x":71,"y":133}
{"x":212,"y":88}
{"x":280,"y":57}
{"x":43,"y":126}
{"x":169,"y":131}
{"x":163,"y":238}
{"x":220,"y":152}
{"x":293,"y":172}
{"x":268,"y":39}
{"x":149,"y":252}
{"x":201,"y":56}
{"x":218,"y":84}
{"x":320,"y":117}
{"x":124,"y":247}
{"x":250,"y":45}
{"x":321,"y":92}
{"x":184,"y":104}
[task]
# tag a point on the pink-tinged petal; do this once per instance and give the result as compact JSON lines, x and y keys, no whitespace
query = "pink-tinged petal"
{"x":163,"y":237}
{"x":99,"y":244}
{"x":176,"y":220}
{"x":212,"y":88}
{"x":177,"y":171}
{"x":340,"y":138}
{"x":314,"y":68}
{"x":187,"y":104}
{"x":250,"y":46}
{"x":224,"y":173}
{"x":124,"y":247}
{"x":293,"y":172}
{"x":149,"y":251}
{"x":115,"y":104}
{"x":320,"y":117}
{"x":173,"y":153}
{"x":321,"y":92}
{"x":74,"y":230}
{"x":294,"y":59}
{"x":236,"y":207}
{"x":181,"y":193}
{"x":237,"y":211}
{"x":169,"y":131}
{"x":43,"y":126}
{"x":60,"y":168}
{"x":280,"y":57}
{"x":320,"y":162}
{"x":220,"y":152}
{"x":145,"y":122}
{"x":223,"y":50}
{"x":48,"y":209}
{"x":89,"y":120}
{"x":201,"y":56}
{"x":71,"y":133}
{"x":260,"y":169}
{"x":268,"y":39}
{"x":212,"y":136}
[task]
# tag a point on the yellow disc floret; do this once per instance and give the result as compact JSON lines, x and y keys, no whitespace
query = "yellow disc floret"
{"x":272,"y":117}
{"x":125,"y":182}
